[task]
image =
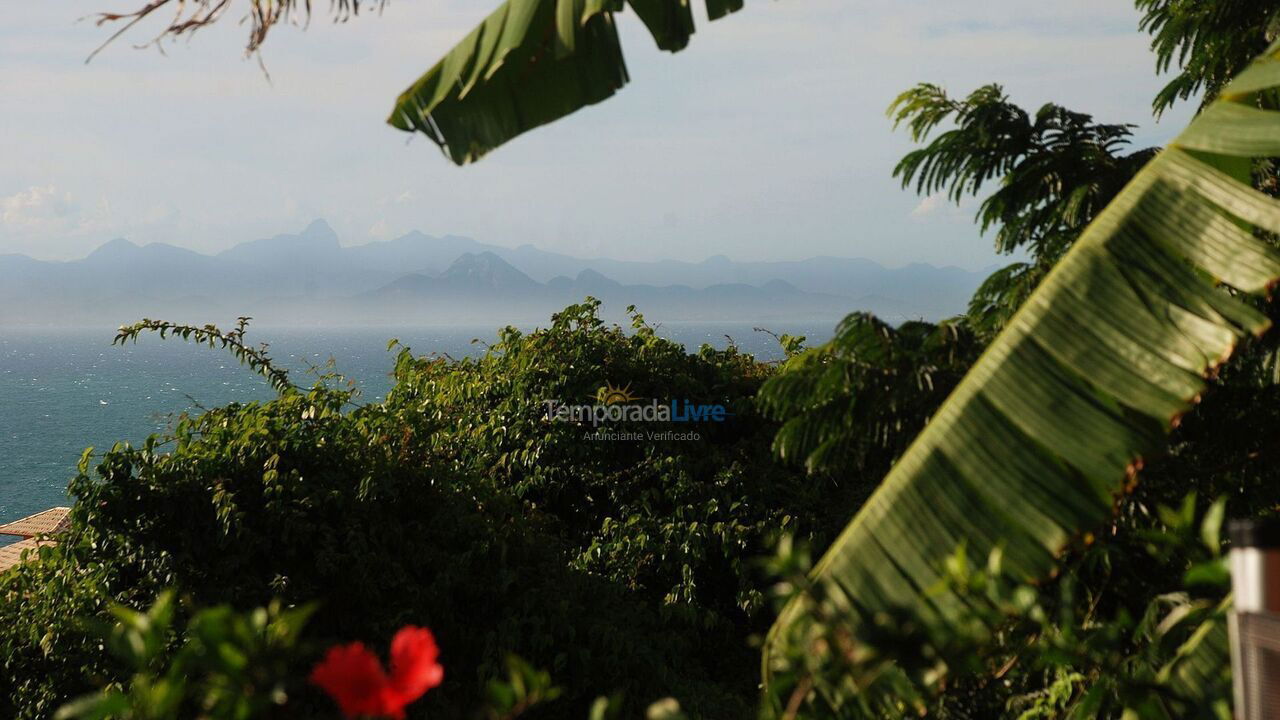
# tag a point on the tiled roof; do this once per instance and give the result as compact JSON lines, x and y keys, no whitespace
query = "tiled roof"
{"x":11,"y":555}
{"x":48,"y":522}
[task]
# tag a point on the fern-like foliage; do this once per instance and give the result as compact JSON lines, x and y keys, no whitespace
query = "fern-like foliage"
{"x":1206,"y":43}
{"x":257,"y":358}
{"x":856,"y":401}
{"x":1056,"y":169}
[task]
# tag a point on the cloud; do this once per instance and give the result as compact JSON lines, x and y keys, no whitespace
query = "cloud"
{"x":930,"y":205}
{"x":405,"y":197}
{"x":46,"y":212}
{"x":381,"y":230}
{"x":939,"y":206}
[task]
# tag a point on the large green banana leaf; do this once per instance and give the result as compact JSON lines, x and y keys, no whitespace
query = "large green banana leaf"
{"x":529,"y":63}
{"x":1053,"y":421}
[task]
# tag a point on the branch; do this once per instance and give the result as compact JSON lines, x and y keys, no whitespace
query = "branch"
{"x":257,"y":358}
{"x":192,"y":15}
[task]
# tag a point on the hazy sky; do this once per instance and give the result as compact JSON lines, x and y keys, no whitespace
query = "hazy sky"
{"x":765,"y":139}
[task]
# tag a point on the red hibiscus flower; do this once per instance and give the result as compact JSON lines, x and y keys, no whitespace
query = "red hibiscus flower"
{"x":414,"y":669}
{"x":354,"y":678}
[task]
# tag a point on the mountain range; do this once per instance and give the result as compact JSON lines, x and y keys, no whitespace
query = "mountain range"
{"x":311,"y":278}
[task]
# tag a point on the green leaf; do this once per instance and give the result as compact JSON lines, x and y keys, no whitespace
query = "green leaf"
{"x":670,"y":22}
{"x":519,"y":69}
{"x":94,"y":707}
{"x":529,"y":63}
{"x":1055,"y":419}
{"x":1201,"y":667}
{"x":717,"y":9}
{"x":1211,"y":526}
{"x":1214,"y":573}
{"x":665,"y":709}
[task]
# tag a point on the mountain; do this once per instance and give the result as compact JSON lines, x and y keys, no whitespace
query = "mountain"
{"x":414,"y":251}
{"x":486,"y":270}
{"x":311,"y":277}
{"x":917,"y":290}
{"x":118,"y":268}
{"x":920,"y":290}
{"x":480,"y":286}
{"x":317,"y":246}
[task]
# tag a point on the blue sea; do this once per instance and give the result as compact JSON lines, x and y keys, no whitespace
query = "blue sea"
{"x":62,"y":390}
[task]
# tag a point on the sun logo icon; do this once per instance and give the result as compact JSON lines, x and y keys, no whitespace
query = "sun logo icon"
{"x":610,"y":395}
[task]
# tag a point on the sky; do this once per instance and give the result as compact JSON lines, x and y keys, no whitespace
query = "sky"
{"x":766,"y":139}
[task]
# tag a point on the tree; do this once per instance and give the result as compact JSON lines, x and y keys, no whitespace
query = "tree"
{"x":1062,"y":410}
{"x":1208,"y":42}
{"x":1055,"y":171}
{"x":850,"y":406}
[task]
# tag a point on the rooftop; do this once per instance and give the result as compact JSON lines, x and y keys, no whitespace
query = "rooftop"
{"x":30,"y":528}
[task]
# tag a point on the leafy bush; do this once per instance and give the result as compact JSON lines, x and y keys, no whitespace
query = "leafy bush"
{"x":456,"y":504}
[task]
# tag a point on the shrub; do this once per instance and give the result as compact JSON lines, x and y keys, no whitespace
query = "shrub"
{"x":454,"y":504}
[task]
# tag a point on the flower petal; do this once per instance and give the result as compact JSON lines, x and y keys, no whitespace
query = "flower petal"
{"x":414,"y":666}
{"x":353,"y":677}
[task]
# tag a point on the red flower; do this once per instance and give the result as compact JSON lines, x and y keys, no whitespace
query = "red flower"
{"x":354,"y":678}
{"x":414,"y":669}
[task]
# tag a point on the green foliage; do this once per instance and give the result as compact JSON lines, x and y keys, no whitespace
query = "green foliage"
{"x":999,"y":296}
{"x":855,"y":402}
{"x":1010,"y":565}
{"x":523,"y":688}
{"x":1207,"y":43}
{"x":677,"y":521}
{"x":227,"y":666}
{"x":1055,"y":170}
{"x":1056,"y":417}
{"x":529,"y":63}
{"x":46,"y":654}
{"x":257,"y":359}
{"x":454,"y":504}
{"x":1053,"y":650}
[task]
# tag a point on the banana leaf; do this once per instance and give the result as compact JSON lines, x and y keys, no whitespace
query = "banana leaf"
{"x":529,"y":63}
{"x":1053,"y":422}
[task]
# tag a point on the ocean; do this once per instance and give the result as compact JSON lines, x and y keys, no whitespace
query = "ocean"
{"x":62,"y":390}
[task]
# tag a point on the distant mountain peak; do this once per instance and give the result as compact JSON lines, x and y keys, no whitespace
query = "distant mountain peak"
{"x":320,"y":233}
{"x":593,"y":278}
{"x":477,"y":259}
{"x":315,"y":241}
{"x":412,"y":236}
{"x":488,"y":269}
{"x":779,"y":285}
{"x":114,"y":247}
